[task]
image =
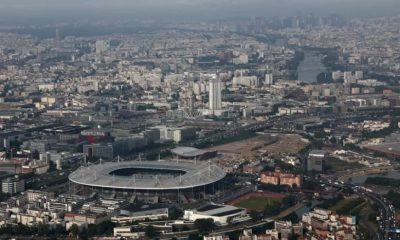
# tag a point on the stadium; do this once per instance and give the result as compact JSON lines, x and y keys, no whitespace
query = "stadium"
{"x":148,"y":180}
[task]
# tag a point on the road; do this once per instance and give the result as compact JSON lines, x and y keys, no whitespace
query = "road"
{"x":387,"y":222}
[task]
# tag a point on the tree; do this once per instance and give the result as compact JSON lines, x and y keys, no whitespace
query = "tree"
{"x":105,"y":228}
{"x":271,"y":210}
{"x":175,"y":213}
{"x":74,"y":230}
{"x":289,"y":201}
{"x":293,"y":237}
{"x":59,"y":230}
{"x":4,"y":196}
{"x":83,"y":235}
{"x":194,"y":236}
{"x":236,"y":234}
{"x":254,"y":215}
{"x":92,"y":230}
{"x":292,"y":217}
{"x":204,"y":225}
{"x":324,"y":77}
{"x":150,"y":232}
{"x":43,"y":229}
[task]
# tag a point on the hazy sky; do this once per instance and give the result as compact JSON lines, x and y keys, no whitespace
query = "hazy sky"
{"x":58,"y":10}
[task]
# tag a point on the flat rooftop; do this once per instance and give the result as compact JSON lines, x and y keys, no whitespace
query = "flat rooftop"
{"x":388,"y":148}
{"x":218,"y":210}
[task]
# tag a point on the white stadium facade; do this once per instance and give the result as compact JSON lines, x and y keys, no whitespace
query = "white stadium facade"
{"x":147,"y":180}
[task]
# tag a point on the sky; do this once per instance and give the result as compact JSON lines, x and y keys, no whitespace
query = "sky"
{"x":70,"y":10}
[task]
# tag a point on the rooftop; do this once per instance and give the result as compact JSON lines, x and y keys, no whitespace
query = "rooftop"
{"x":190,"y":175}
{"x":218,"y":210}
{"x":188,"y":151}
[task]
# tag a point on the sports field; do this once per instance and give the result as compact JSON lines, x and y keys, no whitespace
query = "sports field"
{"x":257,"y":203}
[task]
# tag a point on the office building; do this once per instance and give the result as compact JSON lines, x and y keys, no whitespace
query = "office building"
{"x":269,"y":79}
{"x":316,"y":161}
{"x":102,"y":46}
{"x":12,"y":185}
{"x":215,"y":94}
{"x":359,"y":75}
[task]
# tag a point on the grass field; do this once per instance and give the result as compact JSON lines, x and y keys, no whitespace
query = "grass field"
{"x":334,"y":164}
{"x":367,"y":220}
{"x":351,"y":206}
{"x":257,"y":203}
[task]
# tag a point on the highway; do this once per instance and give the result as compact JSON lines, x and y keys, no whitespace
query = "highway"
{"x":387,"y":222}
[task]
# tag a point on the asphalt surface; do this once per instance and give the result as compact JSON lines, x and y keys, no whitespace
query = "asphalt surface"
{"x":387,"y":217}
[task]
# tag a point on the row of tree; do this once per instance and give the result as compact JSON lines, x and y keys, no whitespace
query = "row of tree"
{"x":25,"y":230}
{"x":102,"y":229}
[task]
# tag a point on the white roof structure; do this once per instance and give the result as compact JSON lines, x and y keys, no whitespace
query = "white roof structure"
{"x":192,"y":175}
{"x":188,"y":151}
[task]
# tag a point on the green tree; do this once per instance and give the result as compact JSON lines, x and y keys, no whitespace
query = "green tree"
{"x":92,"y":230}
{"x":105,"y":228}
{"x":175,"y":213}
{"x":83,"y":235}
{"x":43,"y":229}
{"x":4,"y":196}
{"x":271,"y":210}
{"x":204,"y":225}
{"x":74,"y":230}
{"x":59,"y":230}
{"x":254,"y":215}
{"x":289,"y":201}
{"x":150,"y":232}
{"x":194,"y":236}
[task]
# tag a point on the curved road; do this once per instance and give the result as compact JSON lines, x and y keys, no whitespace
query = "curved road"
{"x":387,"y":222}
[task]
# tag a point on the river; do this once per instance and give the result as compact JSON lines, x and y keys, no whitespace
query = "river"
{"x":310,"y":67}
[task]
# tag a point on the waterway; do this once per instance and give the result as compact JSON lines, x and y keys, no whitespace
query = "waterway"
{"x":300,"y":212}
{"x":310,"y":67}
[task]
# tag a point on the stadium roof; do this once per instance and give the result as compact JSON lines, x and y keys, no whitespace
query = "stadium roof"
{"x":194,"y":175}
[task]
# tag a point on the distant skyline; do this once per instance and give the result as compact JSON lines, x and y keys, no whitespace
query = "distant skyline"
{"x":50,"y":11}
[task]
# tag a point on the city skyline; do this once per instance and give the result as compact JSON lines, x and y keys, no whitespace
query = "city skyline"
{"x":44,"y":11}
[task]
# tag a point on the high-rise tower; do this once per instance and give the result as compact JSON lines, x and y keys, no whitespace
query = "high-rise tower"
{"x":215,"y":94}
